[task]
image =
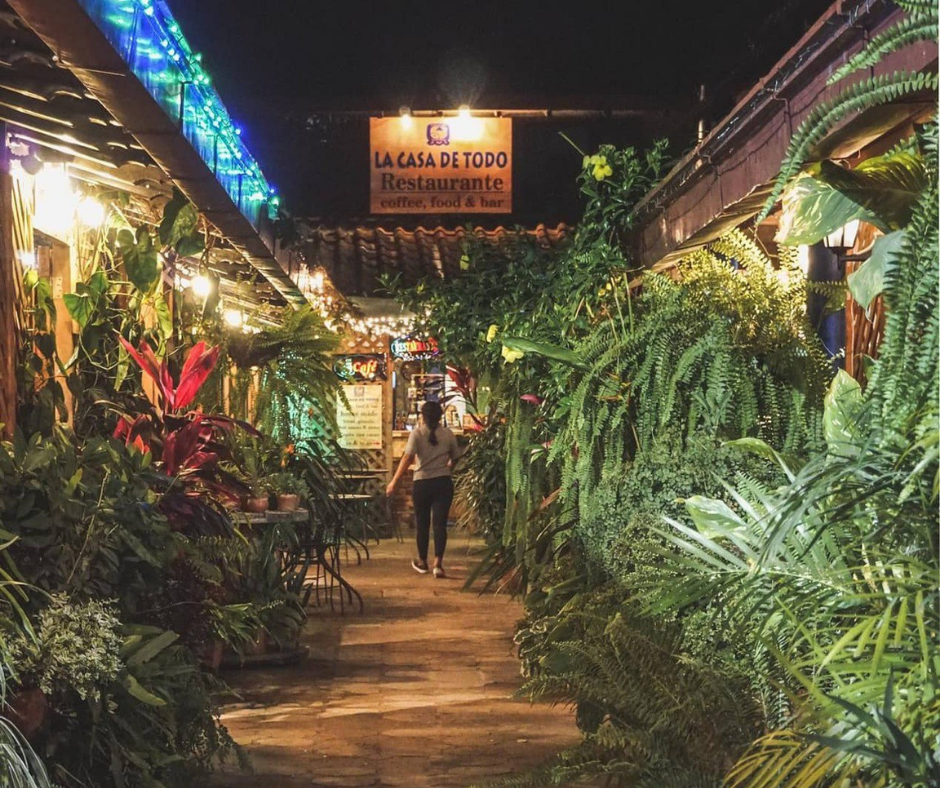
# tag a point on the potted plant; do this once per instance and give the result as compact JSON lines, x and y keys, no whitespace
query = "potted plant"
{"x":76,"y":648}
{"x":288,"y":489}
{"x":259,"y":497}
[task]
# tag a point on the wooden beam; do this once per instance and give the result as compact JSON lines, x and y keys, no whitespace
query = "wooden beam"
{"x":9,"y":345}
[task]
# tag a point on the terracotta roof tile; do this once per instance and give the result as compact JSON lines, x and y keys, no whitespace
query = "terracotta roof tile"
{"x":355,"y":258}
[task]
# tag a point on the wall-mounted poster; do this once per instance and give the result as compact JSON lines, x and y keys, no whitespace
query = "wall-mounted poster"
{"x":441,"y":165}
{"x":360,"y":425}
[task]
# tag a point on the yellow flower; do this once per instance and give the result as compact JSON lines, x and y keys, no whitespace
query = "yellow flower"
{"x":511,"y":355}
{"x":491,"y":333}
{"x":601,"y":168}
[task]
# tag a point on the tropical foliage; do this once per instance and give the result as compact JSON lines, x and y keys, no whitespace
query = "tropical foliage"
{"x":126,"y":564}
{"x":729,"y":561}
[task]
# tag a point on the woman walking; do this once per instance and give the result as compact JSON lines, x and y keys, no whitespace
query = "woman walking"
{"x":435,"y":448}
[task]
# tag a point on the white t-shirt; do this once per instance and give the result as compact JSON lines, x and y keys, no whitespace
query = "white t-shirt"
{"x":432,"y":460}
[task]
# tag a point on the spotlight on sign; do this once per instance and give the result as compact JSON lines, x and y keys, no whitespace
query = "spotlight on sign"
{"x":465,"y":127}
{"x":405,"y":114}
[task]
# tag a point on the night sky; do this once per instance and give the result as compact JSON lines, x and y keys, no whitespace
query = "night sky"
{"x":280,"y":64}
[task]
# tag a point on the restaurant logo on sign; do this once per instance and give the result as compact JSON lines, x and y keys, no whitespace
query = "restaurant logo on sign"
{"x":445,"y":165}
{"x":361,"y":368}
{"x":414,"y":349}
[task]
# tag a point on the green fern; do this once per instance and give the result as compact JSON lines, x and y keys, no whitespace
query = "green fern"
{"x":920,"y":26}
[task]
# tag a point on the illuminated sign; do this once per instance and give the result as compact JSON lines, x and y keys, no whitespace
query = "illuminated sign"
{"x":441,"y":165}
{"x":361,"y":368}
{"x":414,"y":348}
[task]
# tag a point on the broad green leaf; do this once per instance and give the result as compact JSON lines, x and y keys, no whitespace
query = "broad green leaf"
{"x":881,"y":190}
{"x":142,"y":262}
{"x":179,"y":219}
{"x":713,"y":518}
{"x":553,"y":352}
{"x":191,"y":245}
{"x":763,"y":449}
{"x":122,"y":368}
{"x":134,"y":687}
{"x":888,"y":186}
{"x":842,"y":404}
{"x":37,"y":457}
{"x":164,"y":317}
{"x":151,"y":648}
{"x":867,"y":283}
{"x":80,"y":307}
{"x":812,"y":209}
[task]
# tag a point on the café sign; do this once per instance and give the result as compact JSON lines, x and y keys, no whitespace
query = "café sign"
{"x":441,"y":165}
{"x":414,"y":348}
{"x":363,"y":368}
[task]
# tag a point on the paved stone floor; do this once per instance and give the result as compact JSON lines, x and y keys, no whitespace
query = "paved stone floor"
{"x":416,"y":691}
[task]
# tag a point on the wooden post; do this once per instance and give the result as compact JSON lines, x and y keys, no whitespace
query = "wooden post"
{"x":9,"y":345}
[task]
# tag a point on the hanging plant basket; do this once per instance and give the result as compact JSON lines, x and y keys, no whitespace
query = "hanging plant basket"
{"x":252,"y":350}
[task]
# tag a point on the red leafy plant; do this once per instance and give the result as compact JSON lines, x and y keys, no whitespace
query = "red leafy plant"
{"x":187,"y":445}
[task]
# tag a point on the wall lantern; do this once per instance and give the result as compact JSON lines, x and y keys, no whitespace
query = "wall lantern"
{"x":842,"y":239}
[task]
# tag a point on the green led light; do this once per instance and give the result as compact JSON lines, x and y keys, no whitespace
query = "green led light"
{"x":162,"y":69}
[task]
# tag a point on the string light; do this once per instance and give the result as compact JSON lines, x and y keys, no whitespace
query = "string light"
{"x":234,"y":166}
{"x":385,"y":325}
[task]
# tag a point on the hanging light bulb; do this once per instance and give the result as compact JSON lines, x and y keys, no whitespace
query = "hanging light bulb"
{"x":202,"y":286}
{"x":91,"y":213}
{"x":234,"y":318}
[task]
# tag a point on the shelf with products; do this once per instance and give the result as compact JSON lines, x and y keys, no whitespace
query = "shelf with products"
{"x":417,"y":382}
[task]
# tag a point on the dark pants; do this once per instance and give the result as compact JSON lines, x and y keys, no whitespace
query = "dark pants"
{"x":432,"y":499}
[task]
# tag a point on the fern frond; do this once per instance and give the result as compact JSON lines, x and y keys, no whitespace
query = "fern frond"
{"x":919,"y":27}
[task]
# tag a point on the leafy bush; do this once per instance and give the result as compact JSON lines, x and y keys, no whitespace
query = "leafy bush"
{"x":77,"y":648}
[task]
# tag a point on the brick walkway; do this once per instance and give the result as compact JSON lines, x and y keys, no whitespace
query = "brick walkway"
{"x":414,"y":692}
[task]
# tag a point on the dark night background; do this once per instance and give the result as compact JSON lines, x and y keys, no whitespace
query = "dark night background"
{"x":296,"y":72}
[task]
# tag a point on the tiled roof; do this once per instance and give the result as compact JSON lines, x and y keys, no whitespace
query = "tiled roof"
{"x":355,"y":258}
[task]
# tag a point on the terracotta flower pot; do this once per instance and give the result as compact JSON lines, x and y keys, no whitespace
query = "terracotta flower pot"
{"x":258,"y":646}
{"x":288,"y":502}
{"x":256,"y":505}
{"x":28,"y":710}
{"x":211,"y":655}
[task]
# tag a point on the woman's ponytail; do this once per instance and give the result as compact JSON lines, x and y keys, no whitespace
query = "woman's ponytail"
{"x":432,"y":412}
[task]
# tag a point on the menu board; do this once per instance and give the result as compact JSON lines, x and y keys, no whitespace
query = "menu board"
{"x":360,"y":424}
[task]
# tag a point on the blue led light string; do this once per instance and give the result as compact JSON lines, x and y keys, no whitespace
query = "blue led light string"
{"x":151,"y":42}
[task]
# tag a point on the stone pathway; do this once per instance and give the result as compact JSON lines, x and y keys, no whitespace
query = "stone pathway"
{"x":414,"y":692}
